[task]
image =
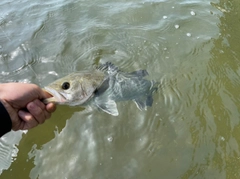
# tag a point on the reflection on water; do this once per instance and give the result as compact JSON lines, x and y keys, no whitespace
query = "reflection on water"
{"x":97,"y":144}
{"x":190,"y":47}
{"x":8,"y":149}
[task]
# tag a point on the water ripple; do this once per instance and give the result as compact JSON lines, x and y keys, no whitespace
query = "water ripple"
{"x":184,"y":133}
{"x":8,"y":149}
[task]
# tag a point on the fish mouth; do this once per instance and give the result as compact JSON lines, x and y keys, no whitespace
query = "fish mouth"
{"x":58,"y":98}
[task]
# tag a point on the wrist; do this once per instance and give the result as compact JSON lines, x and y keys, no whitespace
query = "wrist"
{"x":11,"y":112}
{"x":6,"y":121}
{"x":2,"y":86}
{"x":5,"y":91}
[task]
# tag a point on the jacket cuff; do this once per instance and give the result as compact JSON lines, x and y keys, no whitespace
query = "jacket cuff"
{"x":5,"y":121}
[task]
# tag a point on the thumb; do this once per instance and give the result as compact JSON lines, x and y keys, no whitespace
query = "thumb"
{"x":46,"y":94}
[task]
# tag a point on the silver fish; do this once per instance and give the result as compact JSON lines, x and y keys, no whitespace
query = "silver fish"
{"x":115,"y":85}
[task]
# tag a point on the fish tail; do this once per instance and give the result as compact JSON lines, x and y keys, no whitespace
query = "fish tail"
{"x":153,"y":88}
{"x":143,"y":101}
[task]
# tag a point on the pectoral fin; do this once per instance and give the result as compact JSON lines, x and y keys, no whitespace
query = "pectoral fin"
{"x":109,"y":107}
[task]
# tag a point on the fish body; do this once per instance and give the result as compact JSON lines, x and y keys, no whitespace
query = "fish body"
{"x":111,"y":86}
{"x":122,"y":86}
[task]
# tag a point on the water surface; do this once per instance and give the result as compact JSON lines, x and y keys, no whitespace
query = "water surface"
{"x":190,"y":47}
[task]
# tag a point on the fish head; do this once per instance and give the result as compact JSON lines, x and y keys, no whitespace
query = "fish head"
{"x":74,"y":89}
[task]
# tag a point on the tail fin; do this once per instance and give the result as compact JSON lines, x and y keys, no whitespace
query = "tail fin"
{"x":153,"y":89}
{"x":144,"y":101}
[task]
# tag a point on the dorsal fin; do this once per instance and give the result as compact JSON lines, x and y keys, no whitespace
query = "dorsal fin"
{"x":109,"y":68}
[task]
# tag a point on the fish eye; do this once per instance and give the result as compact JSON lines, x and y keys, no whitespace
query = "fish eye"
{"x":65,"y":85}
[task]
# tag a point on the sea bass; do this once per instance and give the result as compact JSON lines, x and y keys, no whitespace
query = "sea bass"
{"x":103,"y":88}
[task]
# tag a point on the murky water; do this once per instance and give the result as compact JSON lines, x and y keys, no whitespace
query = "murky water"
{"x":190,"y":47}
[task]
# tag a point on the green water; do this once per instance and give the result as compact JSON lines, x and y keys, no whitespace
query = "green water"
{"x":190,"y":47}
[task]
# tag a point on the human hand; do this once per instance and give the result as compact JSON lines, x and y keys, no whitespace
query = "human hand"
{"x":24,"y":105}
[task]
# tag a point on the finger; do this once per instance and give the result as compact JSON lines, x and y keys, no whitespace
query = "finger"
{"x":46,"y":110}
{"x":37,"y":109}
{"x":51,"y":107}
{"x":28,"y":119}
{"x":45,"y":94}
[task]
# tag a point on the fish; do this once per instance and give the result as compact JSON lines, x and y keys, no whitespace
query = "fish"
{"x":103,"y":88}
